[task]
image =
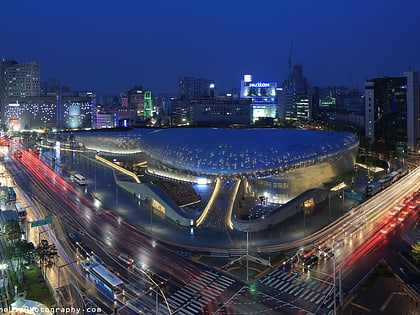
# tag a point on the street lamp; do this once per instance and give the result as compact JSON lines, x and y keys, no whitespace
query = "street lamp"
{"x":247,"y":254}
{"x":39,"y":235}
{"x":58,"y":278}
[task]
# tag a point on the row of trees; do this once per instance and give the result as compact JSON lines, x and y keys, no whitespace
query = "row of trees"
{"x":24,"y":253}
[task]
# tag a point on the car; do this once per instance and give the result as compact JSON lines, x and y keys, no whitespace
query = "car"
{"x":338,"y":242}
{"x":311,"y":261}
{"x":126,"y":259}
{"x":75,"y":239}
{"x":326,"y":252}
{"x":307,"y":253}
{"x":393,"y":212}
{"x":321,"y":245}
{"x":84,"y":251}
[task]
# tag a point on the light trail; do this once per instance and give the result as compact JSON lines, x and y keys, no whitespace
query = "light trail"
{"x":213,"y":197}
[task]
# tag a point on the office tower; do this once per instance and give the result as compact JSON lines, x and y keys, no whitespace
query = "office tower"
{"x":386,"y":110}
{"x":294,"y":101}
{"x":413,"y":111}
{"x":186,"y":88}
{"x":19,"y":80}
{"x":136,"y":101}
{"x":190,"y":88}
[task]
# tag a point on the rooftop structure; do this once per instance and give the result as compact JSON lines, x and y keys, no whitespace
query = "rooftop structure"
{"x":251,"y":153}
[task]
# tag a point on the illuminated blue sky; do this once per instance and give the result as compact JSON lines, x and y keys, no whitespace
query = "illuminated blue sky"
{"x":110,"y":46}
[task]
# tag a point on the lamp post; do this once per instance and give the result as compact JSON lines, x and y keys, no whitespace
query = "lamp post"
{"x":26,"y":223}
{"x":247,"y":253}
{"x":149,"y":202}
{"x":335,"y":285}
{"x":39,"y":235}
{"x":58,"y":278}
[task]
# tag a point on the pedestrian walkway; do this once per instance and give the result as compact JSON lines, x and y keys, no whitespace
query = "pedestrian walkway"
{"x":299,"y":288}
{"x":197,"y":295}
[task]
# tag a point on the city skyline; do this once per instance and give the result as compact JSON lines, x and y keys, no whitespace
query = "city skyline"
{"x":114,"y":46}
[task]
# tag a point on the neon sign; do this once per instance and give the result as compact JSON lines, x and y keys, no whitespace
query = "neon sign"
{"x":259,"y":84}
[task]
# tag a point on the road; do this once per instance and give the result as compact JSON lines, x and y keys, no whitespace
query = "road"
{"x":190,"y":288}
{"x":108,"y":235}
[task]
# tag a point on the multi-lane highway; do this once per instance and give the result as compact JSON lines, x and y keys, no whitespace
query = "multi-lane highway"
{"x":189,"y":288}
{"x":109,"y":236}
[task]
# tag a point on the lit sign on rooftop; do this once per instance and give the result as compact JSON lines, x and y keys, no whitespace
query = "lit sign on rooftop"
{"x":259,"y":84}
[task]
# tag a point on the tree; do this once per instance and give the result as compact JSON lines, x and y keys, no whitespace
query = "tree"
{"x":415,"y":253}
{"x":23,"y":252}
{"x":12,"y":231}
{"x":46,"y":254}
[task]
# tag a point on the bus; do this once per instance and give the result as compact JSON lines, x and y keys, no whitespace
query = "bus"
{"x":20,"y":209}
{"x":373,"y":188}
{"x":104,"y":279}
{"x":11,"y":194}
{"x":79,"y":179}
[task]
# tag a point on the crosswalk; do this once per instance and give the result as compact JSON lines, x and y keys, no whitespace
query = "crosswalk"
{"x":315,"y":292}
{"x":196,"y":297}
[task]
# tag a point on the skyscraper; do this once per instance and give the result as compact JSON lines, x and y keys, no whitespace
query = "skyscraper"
{"x":19,"y":80}
{"x":413,"y":111}
{"x":386,"y":110}
{"x":293,"y":97}
{"x":190,"y":88}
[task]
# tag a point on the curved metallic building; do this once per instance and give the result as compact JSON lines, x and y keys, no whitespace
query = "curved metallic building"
{"x":249,"y":153}
{"x":278,"y":164}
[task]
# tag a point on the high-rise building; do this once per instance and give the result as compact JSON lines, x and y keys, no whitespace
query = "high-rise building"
{"x":294,"y":101}
{"x":136,"y":101}
{"x":386,"y":110}
{"x":148,"y":105}
{"x":186,"y":88}
{"x":190,"y":88}
{"x":413,"y":111}
{"x":19,"y":80}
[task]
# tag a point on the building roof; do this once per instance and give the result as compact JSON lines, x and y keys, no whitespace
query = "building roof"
{"x":255,"y":152}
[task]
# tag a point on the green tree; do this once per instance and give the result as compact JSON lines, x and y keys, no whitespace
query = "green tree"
{"x":46,"y":254}
{"x":12,"y":231}
{"x":415,"y":253}
{"x":23,"y":253}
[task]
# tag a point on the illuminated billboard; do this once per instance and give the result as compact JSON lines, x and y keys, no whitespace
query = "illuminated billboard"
{"x":259,"y":89}
{"x":263,"y":96}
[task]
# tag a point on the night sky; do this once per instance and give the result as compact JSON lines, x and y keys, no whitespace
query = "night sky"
{"x":110,"y":46}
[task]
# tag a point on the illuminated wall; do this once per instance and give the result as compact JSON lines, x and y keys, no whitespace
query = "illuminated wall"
{"x":263,"y":96}
{"x":148,"y":104}
{"x":77,"y":114}
{"x":66,"y":112}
